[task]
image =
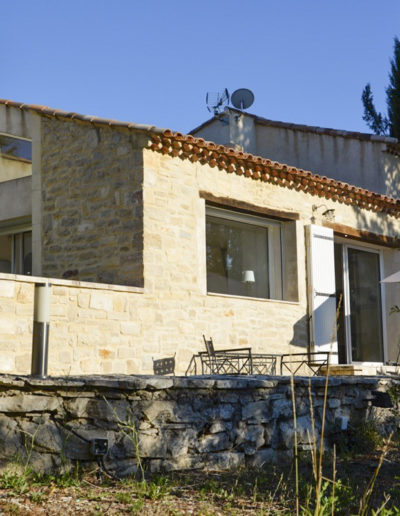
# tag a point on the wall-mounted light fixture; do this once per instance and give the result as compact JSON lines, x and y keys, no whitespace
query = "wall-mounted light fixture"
{"x":329,"y":213}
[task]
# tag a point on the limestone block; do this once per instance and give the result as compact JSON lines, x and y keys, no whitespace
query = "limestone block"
{"x":130,"y":328}
{"x":259,"y":411}
{"x":7,"y":364}
{"x":282,"y":408}
{"x":213,"y":443}
{"x":249,"y":437}
{"x":27,"y":403}
{"x":119,"y":367}
{"x":83,"y":300}
{"x":304,"y":432}
{"x":58,"y":291}
{"x":220,"y":426}
{"x":42,"y":435}
{"x":101,"y":301}
{"x":22,"y":327}
{"x":106,"y":353}
{"x":7,"y":288}
{"x":334,"y":403}
{"x":120,"y":303}
{"x":25,"y":293}
{"x":179,"y":441}
{"x":111,"y":411}
{"x":23,"y":362}
{"x":125,"y":353}
{"x":224,"y":461}
{"x":10,"y":437}
{"x":152,"y":445}
{"x":24,"y":309}
{"x":7,"y":326}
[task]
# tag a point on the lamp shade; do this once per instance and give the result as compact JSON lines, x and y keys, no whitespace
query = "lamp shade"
{"x":248,"y":277}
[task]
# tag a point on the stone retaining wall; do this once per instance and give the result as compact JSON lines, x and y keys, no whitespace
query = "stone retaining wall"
{"x":179,"y":423}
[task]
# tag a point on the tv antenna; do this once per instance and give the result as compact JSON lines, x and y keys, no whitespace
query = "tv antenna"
{"x":216,"y":101}
{"x":242,"y":98}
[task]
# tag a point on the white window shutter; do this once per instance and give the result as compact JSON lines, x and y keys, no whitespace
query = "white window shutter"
{"x":322,"y":289}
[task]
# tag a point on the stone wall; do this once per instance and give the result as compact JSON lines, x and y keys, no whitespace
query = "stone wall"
{"x":179,"y":423}
{"x":116,"y":212}
{"x":91,"y":203}
{"x":175,"y":253}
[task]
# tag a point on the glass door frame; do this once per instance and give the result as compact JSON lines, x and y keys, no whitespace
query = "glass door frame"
{"x":346,"y":297}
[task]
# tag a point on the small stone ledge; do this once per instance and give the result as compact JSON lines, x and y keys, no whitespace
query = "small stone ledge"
{"x":154,"y":382}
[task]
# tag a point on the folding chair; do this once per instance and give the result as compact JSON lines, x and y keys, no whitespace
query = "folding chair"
{"x":311,"y":361}
{"x":225,"y":361}
{"x":164,"y":366}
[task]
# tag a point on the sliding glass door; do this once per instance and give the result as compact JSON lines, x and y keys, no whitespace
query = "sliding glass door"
{"x":360,"y":319}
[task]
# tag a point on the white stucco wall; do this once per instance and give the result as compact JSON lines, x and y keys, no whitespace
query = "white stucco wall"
{"x":15,"y":182}
{"x":364,"y":163}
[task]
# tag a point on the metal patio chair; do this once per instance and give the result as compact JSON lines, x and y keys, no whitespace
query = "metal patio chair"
{"x":164,"y":366}
{"x":264,"y":363}
{"x":291,"y":363}
{"x":225,"y":361}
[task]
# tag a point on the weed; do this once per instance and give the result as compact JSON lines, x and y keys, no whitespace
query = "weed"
{"x":38,"y":497}
{"x":16,"y":482}
{"x":137,"y":506}
{"x":123,"y":497}
{"x":70,"y":478}
{"x":11,"y":508}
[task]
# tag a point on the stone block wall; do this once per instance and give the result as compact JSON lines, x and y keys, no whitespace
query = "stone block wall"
{"x":91,"y":181}
{"x":178,"y":423}
{"x":175,"y":253}
{"x":109,"y":329}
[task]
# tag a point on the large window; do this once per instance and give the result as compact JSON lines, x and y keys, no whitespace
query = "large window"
{"x":244,"y":255}
{"x":16,"y":253}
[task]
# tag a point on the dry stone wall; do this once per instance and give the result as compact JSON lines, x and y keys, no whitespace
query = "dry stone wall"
{"x":178,"y":423}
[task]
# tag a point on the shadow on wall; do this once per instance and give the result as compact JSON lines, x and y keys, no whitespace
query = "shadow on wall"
{"x":392,"y":181}
{"x":301,"y":333}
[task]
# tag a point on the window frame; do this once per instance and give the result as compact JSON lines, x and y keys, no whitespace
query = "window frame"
{"x":14,"y":230}
{"x":11,"y":156}
{"x":275,"y":254}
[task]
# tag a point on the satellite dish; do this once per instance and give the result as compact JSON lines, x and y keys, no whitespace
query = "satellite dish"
{"x":216,"y":101}
{"x":242,"y":98}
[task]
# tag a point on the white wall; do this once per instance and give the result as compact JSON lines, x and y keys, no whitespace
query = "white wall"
{"x":363,"y":163}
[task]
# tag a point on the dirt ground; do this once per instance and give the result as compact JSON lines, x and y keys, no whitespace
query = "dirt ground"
{"x":270,"y":490}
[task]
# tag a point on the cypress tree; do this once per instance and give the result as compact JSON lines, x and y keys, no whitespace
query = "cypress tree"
{"x":385,"y":125}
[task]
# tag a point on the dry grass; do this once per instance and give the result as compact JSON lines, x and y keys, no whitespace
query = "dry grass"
{"x":267,"y":491}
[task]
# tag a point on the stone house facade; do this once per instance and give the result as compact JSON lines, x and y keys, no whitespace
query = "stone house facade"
{"x":152,"y":238}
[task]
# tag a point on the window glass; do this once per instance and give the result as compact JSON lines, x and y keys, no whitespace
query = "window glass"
{"x":16,"y":253}
{"x":5,"y":253}
{"x":15,"y":147}
{"x":243,"y":258}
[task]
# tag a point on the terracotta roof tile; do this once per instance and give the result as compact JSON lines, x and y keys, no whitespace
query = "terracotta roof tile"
{"x":254,"y":167}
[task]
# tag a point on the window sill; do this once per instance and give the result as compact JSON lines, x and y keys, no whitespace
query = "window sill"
{"x":70,"y":283}
{"x":16,"y":158}
{"x":261,"y":299}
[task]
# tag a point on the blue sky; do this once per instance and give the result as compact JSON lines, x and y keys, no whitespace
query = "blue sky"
{"x":306,"y":61}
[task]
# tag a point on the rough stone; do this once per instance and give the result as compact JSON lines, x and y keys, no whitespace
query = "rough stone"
{"x":168,"y":428}
{"x":23,"y":403}
{"x":213,"y":442}
{"x":258,"y":410}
